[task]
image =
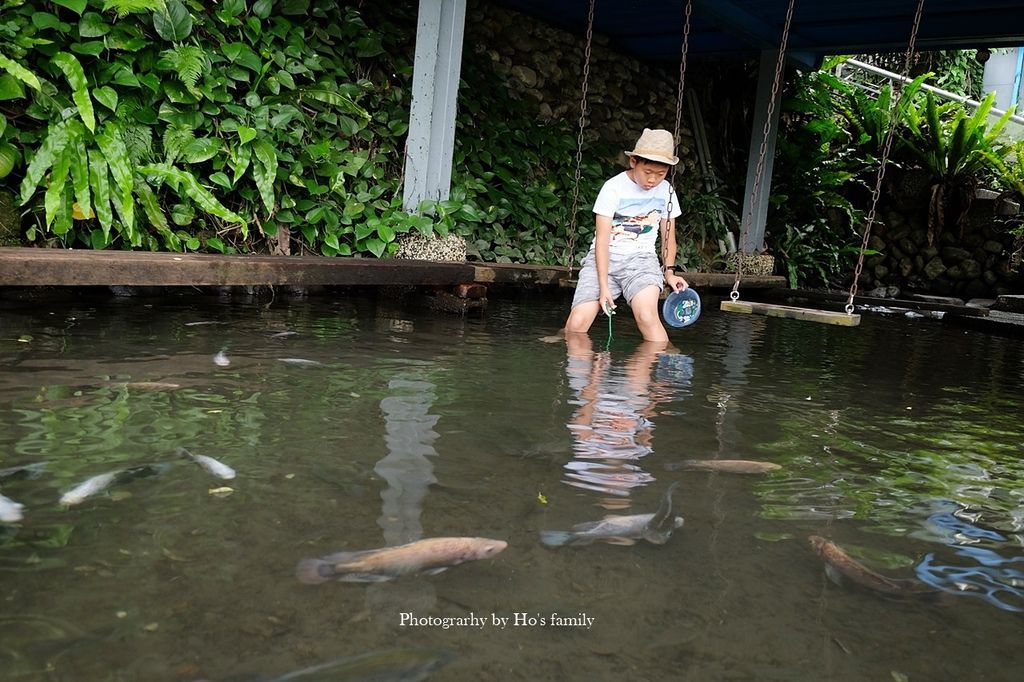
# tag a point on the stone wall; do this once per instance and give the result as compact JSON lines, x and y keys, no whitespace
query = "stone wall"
{"x":545,"y":64}
{"x":980,"y":261}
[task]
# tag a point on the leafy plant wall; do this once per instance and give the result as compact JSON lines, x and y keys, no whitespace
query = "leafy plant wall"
{"x":257,"y":125}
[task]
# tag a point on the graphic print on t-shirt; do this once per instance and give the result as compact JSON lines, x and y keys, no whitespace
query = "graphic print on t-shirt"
{"x":635,"y":217}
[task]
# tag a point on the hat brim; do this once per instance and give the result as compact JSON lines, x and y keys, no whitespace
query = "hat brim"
{"x":669,"y":160}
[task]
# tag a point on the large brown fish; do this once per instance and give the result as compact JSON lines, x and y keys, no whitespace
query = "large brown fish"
{"x":729,"y":466}
{"x":429,"y":556}
{"x":839,"y":564}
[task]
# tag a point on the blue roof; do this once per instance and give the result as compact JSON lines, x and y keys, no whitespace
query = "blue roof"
{"x":652,"y":30}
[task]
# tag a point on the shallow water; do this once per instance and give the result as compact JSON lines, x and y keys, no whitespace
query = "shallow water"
{"x":377,"y":424}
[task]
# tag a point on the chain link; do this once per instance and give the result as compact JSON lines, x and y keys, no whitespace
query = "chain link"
{"x":679,"y":124}
{"x":571,"y":256}
{"x":763,"y":150}
{"x":876,"y":193}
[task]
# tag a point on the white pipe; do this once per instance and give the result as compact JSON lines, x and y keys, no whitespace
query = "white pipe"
{"x":938,"y":91}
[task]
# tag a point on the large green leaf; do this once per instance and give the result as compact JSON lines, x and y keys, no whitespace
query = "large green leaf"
{"x":188,"y":184}
{"x":10,"y":87}
{"x":80,"y":174}
{"x":201,"y":149}
{"x":76,"y":6}
{"x":20,"y":72}
{"x":151,"y":206}
{"x":57,"y":139}
{"x":93,"y":25}
{"x":72,"y":69}
{"x":111,"y":143}
{"x":335,"y":99}
{"x":265,"y":171}
{"x":107,"y":96}
{"x":55,"y":198}
{"x":100,"y":184}
{"x":173,"y":22}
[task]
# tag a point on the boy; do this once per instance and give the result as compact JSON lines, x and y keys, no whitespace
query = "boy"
{"x":622,"y":258}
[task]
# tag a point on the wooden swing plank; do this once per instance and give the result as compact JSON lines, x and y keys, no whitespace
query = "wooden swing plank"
{"x":791,"y":312}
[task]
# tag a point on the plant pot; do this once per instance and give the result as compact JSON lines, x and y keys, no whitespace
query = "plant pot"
{"x":756,"y":264}
{"x":415,"y":246}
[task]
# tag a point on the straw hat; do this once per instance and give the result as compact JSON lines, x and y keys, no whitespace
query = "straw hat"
{"x":656,"y":145}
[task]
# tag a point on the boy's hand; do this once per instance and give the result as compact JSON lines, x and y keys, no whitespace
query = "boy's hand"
{"x":675,"y":281}
{"x":607,"y":303}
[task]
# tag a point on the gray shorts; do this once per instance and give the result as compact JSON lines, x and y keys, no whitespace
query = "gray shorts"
{"x":627,"y":276}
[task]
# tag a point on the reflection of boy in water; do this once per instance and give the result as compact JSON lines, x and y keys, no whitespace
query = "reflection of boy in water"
{"x":612,"y":424}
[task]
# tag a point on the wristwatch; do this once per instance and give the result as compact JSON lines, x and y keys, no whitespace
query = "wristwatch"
{"x":669,"y":268}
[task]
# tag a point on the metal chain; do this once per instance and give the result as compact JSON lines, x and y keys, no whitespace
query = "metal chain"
{"x":762,"y":152}
{"x":571,"y":257}
{"x":679,"y":125}
{"x":876,"y":193}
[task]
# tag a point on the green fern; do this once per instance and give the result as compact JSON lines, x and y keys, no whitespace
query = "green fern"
{"x":138,"y":140}
{"x":189,"y":62}
{"x":176,"y":138}
{"x":125,"y":7}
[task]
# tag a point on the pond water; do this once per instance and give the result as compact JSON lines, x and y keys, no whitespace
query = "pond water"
{"x":355,"y":422}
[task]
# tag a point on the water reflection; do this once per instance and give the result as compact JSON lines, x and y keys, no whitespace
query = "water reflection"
{"x":407,"y":469}
{"x":612,"y":425}
{"x":979,"y":571}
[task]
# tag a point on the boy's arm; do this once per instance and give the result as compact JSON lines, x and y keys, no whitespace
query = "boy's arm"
{"x":602,"y":240}
{"x":668,"y":251}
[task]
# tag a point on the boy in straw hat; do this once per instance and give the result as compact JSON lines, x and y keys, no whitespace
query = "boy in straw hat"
{"x":631,"y":209}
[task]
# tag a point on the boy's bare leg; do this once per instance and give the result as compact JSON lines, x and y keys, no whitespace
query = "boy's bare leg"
{"x":645,"y":306}
{"x":581,"y":317}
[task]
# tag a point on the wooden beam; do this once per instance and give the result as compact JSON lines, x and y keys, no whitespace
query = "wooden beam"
{"x":791,"y":312}
{"x":59,"y":267}
{"x":911,"y":304}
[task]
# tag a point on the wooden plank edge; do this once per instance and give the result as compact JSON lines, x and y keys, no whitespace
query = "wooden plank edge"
{"x":791,"y":312}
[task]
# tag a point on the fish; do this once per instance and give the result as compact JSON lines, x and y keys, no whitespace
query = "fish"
{"x":301,"y":361}
{"x":87,"y":488}
{"x":839,"y":564}
{"x":428,"y":557}
{"x":221,"y":359}
{"x":215,"y":467}
{"x":729,"y":466}
{"x":389,"y":665}
{"x":151,"y":385}
{"x":34,"y":470}
{"x":97,"y":484}
{"x":656,"y":527}
{"x":10,"y":511}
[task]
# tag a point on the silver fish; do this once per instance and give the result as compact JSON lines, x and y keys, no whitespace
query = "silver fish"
{"x":428,"y":557}
{"x":393,"y":665}
{"x":729,"y":466}
{"x":10,"y":511}
{"x":215,"y":467}
{"x":34,"y":470}
{"x":656,"y":528}
{"x":97,"y":484}
{"x":87,"y":488}
{"x":301,"y":362}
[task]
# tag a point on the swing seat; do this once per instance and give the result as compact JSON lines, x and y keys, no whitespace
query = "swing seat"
{"x":791,"y":312}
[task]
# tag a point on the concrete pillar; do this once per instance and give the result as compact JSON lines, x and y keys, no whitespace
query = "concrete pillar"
{"x":752,"y":229}
{"x":435,"y":88}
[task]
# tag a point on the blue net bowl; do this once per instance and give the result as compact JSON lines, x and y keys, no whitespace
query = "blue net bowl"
{"x":681,"y":308}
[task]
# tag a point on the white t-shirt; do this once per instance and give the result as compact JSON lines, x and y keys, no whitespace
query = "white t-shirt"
{"x":636,"y":213}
